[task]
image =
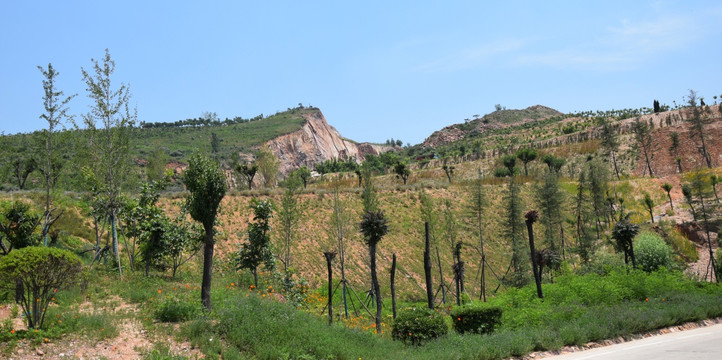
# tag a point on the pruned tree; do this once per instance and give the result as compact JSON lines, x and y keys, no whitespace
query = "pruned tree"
{"x":257,"y":250}
{"x":51,"y":162}
{"x":698,"y":117}
{"x":289,"y":215}
{"x":206,"y":184}
{"x":623,"y":233}
{"x":531,"y":217}
{"x":649,"y":205}
{"x":553,"y":163}
{"x":304,"y":174}
{"x":667,"y":187}
{"x":108,"y":146}
{"x":246,"y":173}
{"x":476,"y":207}
{"x":448,"y":169}
{"x":526,"y":155}
{"x":374,"y":226}
{"x":338,"y":230}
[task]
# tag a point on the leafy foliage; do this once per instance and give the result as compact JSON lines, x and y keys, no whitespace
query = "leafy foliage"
{"x":418,"y":325}
{"x":17,"y":226}
{"x":41,"y":271}
{"x":257,"y":250}
{"x":652,"y":252}
{"x":476,"y":319}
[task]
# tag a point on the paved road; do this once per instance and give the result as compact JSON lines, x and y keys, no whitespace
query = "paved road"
{"x":701,"y":343}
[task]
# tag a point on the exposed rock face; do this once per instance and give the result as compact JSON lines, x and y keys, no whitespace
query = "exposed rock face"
{"x":316,"y":142}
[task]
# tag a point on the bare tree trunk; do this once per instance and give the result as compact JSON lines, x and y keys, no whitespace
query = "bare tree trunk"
{"x":427,"y":268}
{"x":376,"y":288}
{"x":393,"y":286}
{"x":329,"y":258}
{"x":530,"y":229}
{"x":208,"y":268}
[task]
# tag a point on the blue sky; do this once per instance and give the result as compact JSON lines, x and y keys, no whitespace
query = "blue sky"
{"x":377,"y":70}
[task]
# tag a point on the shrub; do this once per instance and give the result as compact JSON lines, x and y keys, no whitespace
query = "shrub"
{"x":174,"y":310}
{"x":417,"y":325}
{"x":38,"y":273}
{"x":652,"y":252}
{"x":475,"y":319}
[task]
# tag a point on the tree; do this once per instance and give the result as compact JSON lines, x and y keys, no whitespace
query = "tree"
{"x":56,"y":112}
{"x":585,"y":238}
{"x":698,"y":117}
{"x":374,"y":226}
{"x":206,"y":183}
{"x":667,"y":188}
{"x":339,"y":229}
{"x":304,"y":174}
{"x":257,"y":250}
{"x":656,"y":106}
{"x":550,"y":199}
{"x":22,"y":166}
{"x":247,"y":173}
{"x":17,"y":226}
{"x":700,"y":188}
{"x":289,"y":214}
{"x":610,"y":142}
{"x":623,"y":233}
{"x":554,"y":163}
{"x":713,"y":181}
{"x":526,"y":155}
{"x":643,"y":136}
{"x":267,"y":165}
{"x":476,"y":207}
{"x":42,"y":271}
{"x":512,"y":223}
{"x":215,"y":143}
{"x":448,"y":169}
{"x":108,"y":146}
{"x":451,"y":230}
{"x":531,"y":217}
{"x":674,"y":150}
{"x":402,"y":171}
{"x":649,"y":204}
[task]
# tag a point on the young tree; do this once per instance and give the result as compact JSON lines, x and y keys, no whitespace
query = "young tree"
{"x":289,"y":215}
{"x":215,"y":143}
{"x":108,"y":147}
{"x":643,"y":136}
{"x":206,"y":184}
{"x":610,"y":142}
{"x":257,"y":250}
{"x":476,"y":206}
{"x":585,"y":238}
{"x":649,"y":205}
{"x":448,"y":169}
{"x":512,"y":224}
{"x":374,"y":226}
{"x":402,"y":171}
{"x":304,"y":174}
{"x":41,"y":271}
{"x":247,"y":173}
{"x":698,"y":117}
{"x":526,"y":155}
{"x":339,"y":229}
{"x":713,"y":181}
{"x":674,"y":150}
{"x":51,"y":163}
{"x":267,"y":166}
{"x":554,"y":163}
{"x":550,"y":199}
{"x":17,"y":226}
{"x":700,"y":188}
{"x":667,"y":188}
{"x":451,"y":233}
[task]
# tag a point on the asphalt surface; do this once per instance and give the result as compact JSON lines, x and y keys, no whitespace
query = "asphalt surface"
{"x":701,"y":343}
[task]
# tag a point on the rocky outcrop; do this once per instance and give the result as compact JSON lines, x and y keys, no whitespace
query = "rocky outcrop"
{"x":316,"y":142}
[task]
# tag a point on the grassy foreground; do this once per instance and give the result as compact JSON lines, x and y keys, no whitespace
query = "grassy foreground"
{"x":253,"y":323}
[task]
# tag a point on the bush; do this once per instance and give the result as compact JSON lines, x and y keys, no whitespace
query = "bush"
{"x":651,"y":252}
{"x":37,"y":273}
{"x":417,"y":325}
{"x":475,"y":319}
{"x":174,"y":310}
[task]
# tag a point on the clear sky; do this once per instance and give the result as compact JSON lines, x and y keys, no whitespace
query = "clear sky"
{"x":377,"y":69}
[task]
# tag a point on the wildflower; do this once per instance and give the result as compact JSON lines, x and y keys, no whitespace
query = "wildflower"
{"x":36,"y":330}
{"x":647,"y":299}
{"x":159,"y":291}
{"x":233,"y":284}
{"x":195,"y":288}
{"x":12,"y":331}
{"x":459,"y":319}
{"x":46,"y":339}
{"x":53,"y":299}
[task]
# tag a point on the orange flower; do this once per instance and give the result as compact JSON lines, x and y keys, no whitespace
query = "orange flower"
{"x":12,"y":331}
{"x":647,"y":299}
{"x":233,"y":284}
{"x":53,"y":299}
{"x":159,"y":291}
{"x":459,"y":319}
{"x":195,"y":288}
{"x":46,"y":339}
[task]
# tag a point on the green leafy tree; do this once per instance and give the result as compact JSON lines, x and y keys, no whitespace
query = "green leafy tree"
{"x":526,"y":155}
{"x":402,"y":171}
{"x":108,"y":147}
{"x":257,"y":250}
{"x":51,"y":162}
{"x":448,"y":169}
{"x":17,"y":226}
{"x":41,"y":271}
{"x":246,"y":173}
{"x":182,"y":241}
{"x":267,"y":166}
{"x":206,"y":184}
{"x":623,"y":233}
{"x":554,"y":163}
{"x":304,"y":174}
{"x":215,"y":143}
{"x":550,"y":199}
